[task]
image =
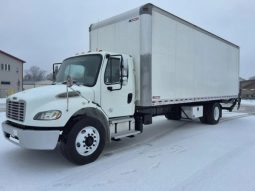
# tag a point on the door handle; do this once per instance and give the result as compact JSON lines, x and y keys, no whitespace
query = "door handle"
{"x":110,"y":88}
{"x":129,"y":98}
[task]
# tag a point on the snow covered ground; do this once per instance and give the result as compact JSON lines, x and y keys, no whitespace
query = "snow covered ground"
{"x":248,"y":102}
{"x":169,"y":155}
{"x":2,"y":100}
{"x":2,"y":104}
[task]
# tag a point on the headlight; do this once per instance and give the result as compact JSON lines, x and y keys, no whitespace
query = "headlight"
{"x":48,"y":115}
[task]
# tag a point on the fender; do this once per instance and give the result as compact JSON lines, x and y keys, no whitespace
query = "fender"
{"x":96,"y":113}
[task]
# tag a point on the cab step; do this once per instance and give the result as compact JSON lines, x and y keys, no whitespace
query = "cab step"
{"x":122,"y":127}
{"x":125,"y":134}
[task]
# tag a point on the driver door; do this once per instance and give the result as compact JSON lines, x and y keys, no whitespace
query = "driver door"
{"x":115,"y":96}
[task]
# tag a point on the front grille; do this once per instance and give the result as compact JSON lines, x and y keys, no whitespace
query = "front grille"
{"x":16,"y":110}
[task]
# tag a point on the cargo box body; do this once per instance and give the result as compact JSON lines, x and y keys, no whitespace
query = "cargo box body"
{"x":175,"y":61}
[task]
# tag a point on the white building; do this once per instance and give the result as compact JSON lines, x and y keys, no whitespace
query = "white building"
{"x":11,"y":74}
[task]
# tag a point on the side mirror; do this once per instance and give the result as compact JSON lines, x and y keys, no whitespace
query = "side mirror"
{"x":56,"y":67}
{"x":124,"y":72}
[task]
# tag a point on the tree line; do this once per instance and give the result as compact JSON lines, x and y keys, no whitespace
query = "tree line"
{"x":35,"y":73}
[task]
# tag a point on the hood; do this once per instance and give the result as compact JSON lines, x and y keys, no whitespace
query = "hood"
{"x":51,"y":92}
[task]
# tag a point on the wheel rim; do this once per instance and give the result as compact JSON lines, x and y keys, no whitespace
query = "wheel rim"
{"x":87,"y":141}
{"x":216,"y":113}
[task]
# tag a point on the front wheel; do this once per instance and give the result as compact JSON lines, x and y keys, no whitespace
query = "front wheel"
{"x":84,"y":142}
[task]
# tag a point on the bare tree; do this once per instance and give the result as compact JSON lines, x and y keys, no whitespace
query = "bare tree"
{"x":49,"y":76}
{"x":35,"y":74}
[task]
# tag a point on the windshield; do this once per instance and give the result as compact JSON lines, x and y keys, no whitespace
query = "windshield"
{"x":83,"y":69}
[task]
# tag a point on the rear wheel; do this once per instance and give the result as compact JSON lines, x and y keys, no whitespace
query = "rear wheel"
{"x":175,"y":114}
{"x":212,"y":113}
{"x":84,"y":142}
{"x":203,"y":119}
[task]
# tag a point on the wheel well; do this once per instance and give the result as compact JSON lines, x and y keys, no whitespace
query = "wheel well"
{"x":88,"y":113}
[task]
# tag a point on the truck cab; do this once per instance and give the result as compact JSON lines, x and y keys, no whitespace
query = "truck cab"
{"x":92,"y":94}
{"x":107,"y":76}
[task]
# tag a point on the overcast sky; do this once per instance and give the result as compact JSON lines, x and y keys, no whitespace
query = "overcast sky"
{"x":48,"y":31}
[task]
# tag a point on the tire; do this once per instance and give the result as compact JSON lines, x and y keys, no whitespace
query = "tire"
{"x":203,"y":119}
{"x":205,"y":114}
{"x":212,"y":114}
{"x":175,"y":114}
{"x":84,"y":142}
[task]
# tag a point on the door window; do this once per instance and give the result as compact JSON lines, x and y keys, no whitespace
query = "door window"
{"x":112,"y":71}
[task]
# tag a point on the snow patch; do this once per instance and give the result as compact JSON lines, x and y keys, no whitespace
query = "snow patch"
{"x":248,"y":102}
{"x":2,"y":104}
{"x":2,"y":100}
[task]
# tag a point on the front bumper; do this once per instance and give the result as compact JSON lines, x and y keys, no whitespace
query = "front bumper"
{"x":31,"y":139}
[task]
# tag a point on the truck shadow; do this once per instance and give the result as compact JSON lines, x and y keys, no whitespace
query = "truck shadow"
{"x":152,"y":133}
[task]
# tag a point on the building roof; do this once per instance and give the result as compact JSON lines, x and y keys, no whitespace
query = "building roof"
{"x":12,"y":56}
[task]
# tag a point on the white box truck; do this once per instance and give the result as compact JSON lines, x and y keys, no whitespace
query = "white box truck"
{"x":143,"y":63}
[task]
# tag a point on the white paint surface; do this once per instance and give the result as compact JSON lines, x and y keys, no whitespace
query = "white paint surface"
{"x":189,"y":63}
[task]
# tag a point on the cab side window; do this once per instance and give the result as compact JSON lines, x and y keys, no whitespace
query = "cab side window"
{"x":112,"y":71}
